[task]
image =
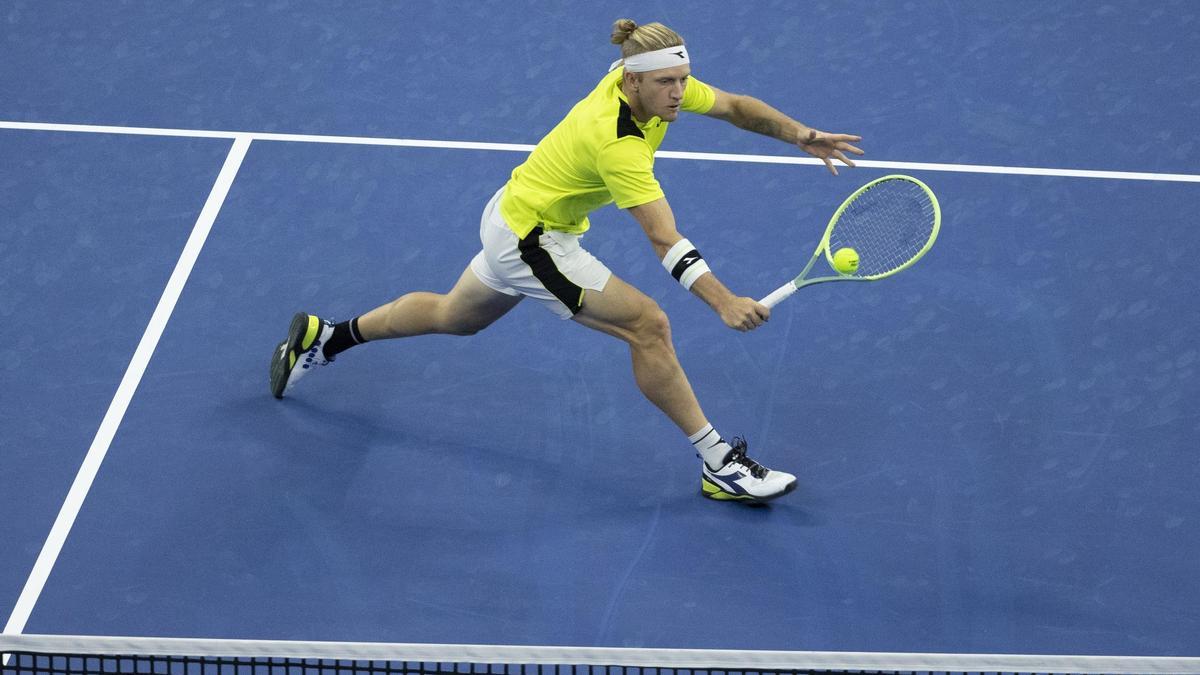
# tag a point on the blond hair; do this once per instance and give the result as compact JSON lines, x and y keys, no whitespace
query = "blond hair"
{"x":635,"y":39}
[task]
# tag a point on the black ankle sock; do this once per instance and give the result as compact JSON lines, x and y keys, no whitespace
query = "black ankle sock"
{"x":345,"y":335}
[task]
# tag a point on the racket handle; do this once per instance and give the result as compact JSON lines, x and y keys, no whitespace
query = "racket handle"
{"x":778,"y":294}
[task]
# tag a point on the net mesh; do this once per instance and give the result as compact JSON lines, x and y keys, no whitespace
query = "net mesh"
{"x":67,"y":664}
{"x":86,"y":655}
{"x":888,"y":224}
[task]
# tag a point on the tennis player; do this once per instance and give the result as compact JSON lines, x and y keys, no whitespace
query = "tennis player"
{"x":601,"y":152}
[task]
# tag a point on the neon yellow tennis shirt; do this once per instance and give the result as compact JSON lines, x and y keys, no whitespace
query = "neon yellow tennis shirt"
{"x":598,"y":154}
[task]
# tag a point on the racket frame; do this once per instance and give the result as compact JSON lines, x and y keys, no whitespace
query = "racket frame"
{"x":801,"y":281}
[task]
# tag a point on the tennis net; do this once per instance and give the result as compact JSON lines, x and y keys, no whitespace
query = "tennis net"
{"x":87,"y":655}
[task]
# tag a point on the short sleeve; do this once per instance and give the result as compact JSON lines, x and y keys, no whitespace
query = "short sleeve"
{"x":698,"y":97}
{"x":626,"y":165}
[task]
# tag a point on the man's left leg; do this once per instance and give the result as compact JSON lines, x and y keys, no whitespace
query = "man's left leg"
{"x":466,"y":309}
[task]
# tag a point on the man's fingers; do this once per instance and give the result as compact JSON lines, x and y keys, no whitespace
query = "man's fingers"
{"x":831,"y":139}
{"x":757,"y":317}
{"x":827,"y":146}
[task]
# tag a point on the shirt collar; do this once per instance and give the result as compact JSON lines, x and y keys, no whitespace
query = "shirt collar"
{"x":653,"y":122}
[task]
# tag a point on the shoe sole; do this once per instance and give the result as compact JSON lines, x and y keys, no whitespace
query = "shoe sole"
{"x":283,"y":360}
{"x":714,"y":491}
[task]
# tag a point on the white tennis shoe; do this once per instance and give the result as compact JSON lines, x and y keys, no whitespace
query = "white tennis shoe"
{"x":296,"y":356}
{"x":743,"y":479}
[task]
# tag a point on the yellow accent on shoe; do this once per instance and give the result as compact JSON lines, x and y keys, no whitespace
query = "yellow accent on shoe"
{"x":314,"y":325}
{"x":291,"y":360}
{"x":714,"y":491}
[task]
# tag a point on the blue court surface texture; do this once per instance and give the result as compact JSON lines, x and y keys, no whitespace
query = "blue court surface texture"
{"x":997,"y":449}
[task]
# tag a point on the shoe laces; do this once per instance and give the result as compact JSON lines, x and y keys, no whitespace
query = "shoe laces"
{"x":738,"y":455}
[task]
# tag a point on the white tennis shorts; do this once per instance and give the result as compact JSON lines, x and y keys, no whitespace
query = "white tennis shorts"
{"x":550,"y":267}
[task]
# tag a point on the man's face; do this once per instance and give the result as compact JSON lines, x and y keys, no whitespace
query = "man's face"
{"x":659,"y":92}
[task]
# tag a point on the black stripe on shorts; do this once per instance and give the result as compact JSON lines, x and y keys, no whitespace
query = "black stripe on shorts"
{"x":542,"y":264}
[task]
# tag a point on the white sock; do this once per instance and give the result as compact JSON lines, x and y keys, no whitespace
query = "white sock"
{"x":710,"y":446}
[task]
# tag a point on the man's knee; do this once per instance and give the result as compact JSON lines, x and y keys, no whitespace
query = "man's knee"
{"x":463,"y":318}
{"x":652,"y":326}
{"x":453,"y":323}
{"x":463,"y":330}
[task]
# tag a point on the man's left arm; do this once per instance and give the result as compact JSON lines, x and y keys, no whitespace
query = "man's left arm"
{"x":751,"y":114}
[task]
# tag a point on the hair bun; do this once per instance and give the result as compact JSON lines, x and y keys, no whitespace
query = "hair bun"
{"x":622,"y":29}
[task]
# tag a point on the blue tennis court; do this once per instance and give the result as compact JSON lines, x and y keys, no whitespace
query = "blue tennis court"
{"x":996,"y":450}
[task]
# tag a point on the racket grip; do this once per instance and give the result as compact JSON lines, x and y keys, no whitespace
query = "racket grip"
{"x":778,"y":295}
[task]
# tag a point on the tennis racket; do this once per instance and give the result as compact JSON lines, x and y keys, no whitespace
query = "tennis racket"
{"x":890,"y":222}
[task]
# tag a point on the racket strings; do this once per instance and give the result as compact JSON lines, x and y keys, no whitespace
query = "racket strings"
{"x":888,"y":224}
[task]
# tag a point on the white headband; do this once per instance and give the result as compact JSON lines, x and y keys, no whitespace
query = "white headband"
{"x":656,"y":60}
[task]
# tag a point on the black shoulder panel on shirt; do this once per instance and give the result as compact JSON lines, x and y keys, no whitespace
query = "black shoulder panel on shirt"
{"x":625,"y":124}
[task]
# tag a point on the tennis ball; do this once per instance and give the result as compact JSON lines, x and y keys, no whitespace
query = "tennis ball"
{"x":845,"y":260}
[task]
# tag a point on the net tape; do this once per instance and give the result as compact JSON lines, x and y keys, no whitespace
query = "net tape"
{"x":93,"y":654}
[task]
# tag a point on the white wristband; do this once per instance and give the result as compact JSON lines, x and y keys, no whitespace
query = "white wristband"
{"x":685,"y":263}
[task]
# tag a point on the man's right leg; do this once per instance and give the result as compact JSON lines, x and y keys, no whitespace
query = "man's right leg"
{"x":727,"y":473}
{"x":625,"y":312}
{"x":466,"y":309}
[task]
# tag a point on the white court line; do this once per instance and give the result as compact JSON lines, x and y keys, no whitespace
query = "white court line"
{"x":515,"y":147}
{"x":957,"y":168}
{"x":129,"y":383}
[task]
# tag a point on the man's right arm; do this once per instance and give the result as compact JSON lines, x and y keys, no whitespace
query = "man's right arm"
{"x":740,"y":313}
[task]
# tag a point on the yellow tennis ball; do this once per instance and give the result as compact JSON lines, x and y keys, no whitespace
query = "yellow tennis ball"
{"x":845,"y":260}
